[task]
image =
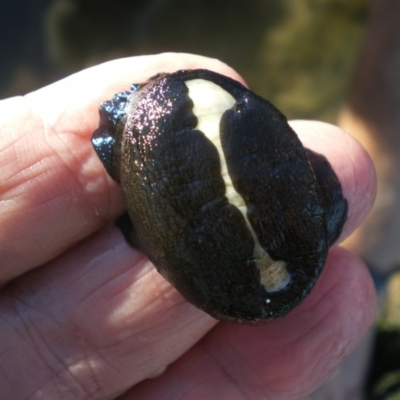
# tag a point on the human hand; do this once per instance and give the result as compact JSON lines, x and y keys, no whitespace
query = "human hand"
{"x":84,"y":315}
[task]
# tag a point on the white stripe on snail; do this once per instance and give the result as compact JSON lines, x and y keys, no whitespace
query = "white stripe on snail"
{"x":210,"y":102}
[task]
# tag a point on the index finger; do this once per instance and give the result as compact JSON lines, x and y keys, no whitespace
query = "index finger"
{"x":54,"y":191}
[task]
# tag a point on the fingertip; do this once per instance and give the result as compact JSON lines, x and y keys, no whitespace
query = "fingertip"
{"x":345,"y":290}
{"x":286,"y":359}
{"x":351,"y":162}
{"x":310,"y":343}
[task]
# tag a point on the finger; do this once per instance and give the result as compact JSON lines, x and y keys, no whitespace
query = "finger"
{"x":286,"y":359}
{"x":54,"y":191}
{"x":351,"y":163}
{"x":98,"y":313}
{"x":92,"y":323}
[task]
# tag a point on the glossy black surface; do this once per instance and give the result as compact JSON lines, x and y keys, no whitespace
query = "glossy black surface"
{"x":170,"y":174}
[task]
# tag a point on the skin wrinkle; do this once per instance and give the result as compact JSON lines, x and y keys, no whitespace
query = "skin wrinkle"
{"x":54,"y":362}
{"x":318,"y":318}
{"x":277,"y":385}
{"x":18,"y":189}
{"x":157,"y":275}
{"x":329,"y":308}
{"x":152,"y":364}
{"x":69,"y":160}
{"x":192,"y":389}
{"x":317,"y":327}
{"x":249,"y":368}
{"x":22,"y":229}
{"x":175,"y":392}
{"x":76,"y":307}
{"x":14,"y":190}
{"x":22,"y":309}
{"x":224,"y":368}
{"x":121,"y":291}
{"x":309,"y":327}
{"x":315,"y":369}
{"x":91,"y":388}
{"x":118,"y":272}
{"x":104,"y":284}
{"x":149,"y":327}
{"x":14,"y":142}
{"x":194,"y":338}
{"x":178,"y":319}
{"x":36,"y":346}
{"x":89,"y":355}
{"x":67,"y":383}
{"x":341,"y":344}
{"x":14,"y":334}
{"x":10,"y":144}
{"x":129,"y":322}
{"x":4,"y":366}
{"x":9,"y":242}
{"x":87,"y":259}
{"x":12,"y":248}
{"x":317,"y":363}
{"x":56,"y":114}
{"x":294,"y":393}
{"x":39,"y":210}
{"x":88,"y":201}
{"x":73,"y":177}
{"x":10,"y":158}
{"x":136,"y":287}
{"x":28,"y":151}
{"x":64,"y":388}
{"x":147,"y":367}
{"x":17,"y":296}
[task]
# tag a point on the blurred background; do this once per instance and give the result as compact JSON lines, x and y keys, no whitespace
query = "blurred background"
{"x":331,"y":60}
{"x":299,"y":54}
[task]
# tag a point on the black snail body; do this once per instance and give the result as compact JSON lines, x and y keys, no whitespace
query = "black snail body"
{"x":223,"y":197}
